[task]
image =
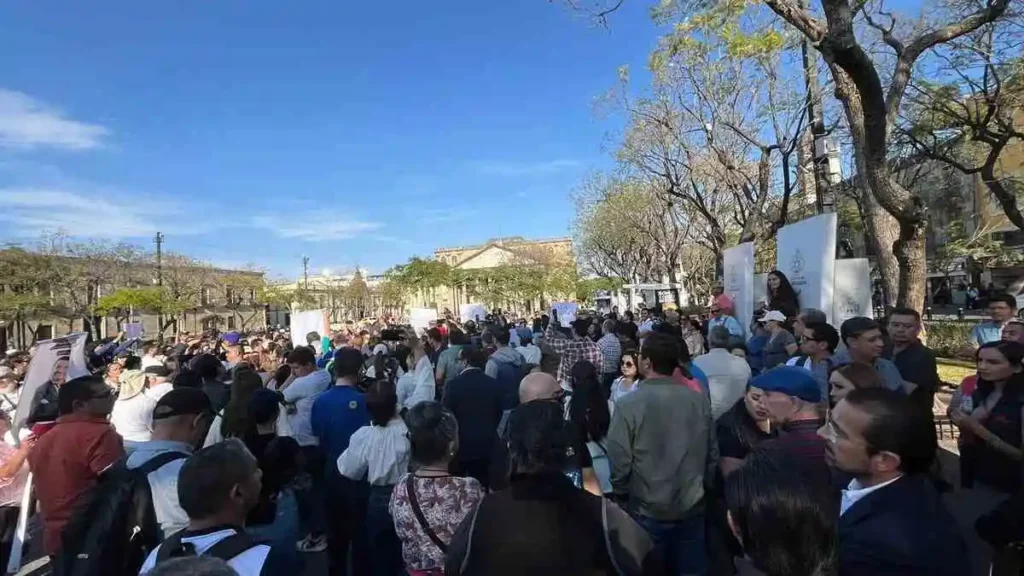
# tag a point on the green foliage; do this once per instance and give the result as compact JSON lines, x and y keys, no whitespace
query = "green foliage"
{"x":948,"y":339}
{"x":120,"y":302}
{"x":586,"y":287}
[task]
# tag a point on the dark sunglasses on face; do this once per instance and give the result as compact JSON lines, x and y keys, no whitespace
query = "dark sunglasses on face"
{"x":627,"y":363}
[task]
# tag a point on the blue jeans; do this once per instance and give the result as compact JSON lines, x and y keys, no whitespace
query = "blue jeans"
{"x":385,"y":547}
{"x":681,"y":543}
{"x":284,"y":531}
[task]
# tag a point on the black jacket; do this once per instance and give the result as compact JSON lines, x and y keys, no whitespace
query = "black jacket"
{"x":475,"y":399}
{"x":902,"y":529}
{"x":543,"y":525}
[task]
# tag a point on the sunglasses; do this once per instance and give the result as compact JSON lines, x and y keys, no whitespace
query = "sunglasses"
{"x":804,"y":339}
{"x":627,"y":363}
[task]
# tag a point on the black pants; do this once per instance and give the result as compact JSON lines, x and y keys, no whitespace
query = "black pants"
{"x":346,"y":539}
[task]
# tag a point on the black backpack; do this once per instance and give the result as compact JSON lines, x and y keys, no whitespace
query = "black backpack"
{"x":225,"y":549}
{"x":115,"y":527}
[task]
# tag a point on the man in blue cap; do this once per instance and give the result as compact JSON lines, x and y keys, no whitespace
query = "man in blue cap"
{"x":792,"y":398}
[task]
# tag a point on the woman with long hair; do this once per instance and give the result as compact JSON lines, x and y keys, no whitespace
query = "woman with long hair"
{"x":990,"y":422}
{"x":630,"y":378}
{"x":233,"y":422}
{"x":429,"y":504}
{"x":782,"y":296}
{"x":786,"y":525}
{"x":589,"y":416}
{"x":851,"y":377}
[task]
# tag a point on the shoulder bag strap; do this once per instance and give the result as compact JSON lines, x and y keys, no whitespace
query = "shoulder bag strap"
{"x":158,"y":461}
{"x":410,"y":489}
{"x":173,"y":547}
{"x":231,"y":546}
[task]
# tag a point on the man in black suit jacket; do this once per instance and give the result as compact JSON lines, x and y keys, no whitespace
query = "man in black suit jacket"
{"x":892,"y":520}
{"x":476,"y":400}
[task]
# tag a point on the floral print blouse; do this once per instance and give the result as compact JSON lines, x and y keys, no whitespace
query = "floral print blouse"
{"x":445,"y":501}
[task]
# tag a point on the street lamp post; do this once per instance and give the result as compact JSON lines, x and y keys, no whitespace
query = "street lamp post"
{"x":159,"y":240}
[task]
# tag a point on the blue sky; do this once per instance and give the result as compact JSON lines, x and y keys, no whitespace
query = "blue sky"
{"x":258,"y":131}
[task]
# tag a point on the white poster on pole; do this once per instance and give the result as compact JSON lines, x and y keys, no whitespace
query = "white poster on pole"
{"x":738,"y":266}
{"x":807,"y":256}
{"x":307,"y":321}
{"x":54,"y":363}
{"x":852,"y":295}
{"x":474,"y":312}
{"x":566,"y":312}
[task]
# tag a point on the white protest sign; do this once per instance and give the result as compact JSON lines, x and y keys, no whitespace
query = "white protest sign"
{"x":474,"y":312}
{"x":307,"y":321}
{"x":760,"y":289}
{"x":566,"y":312}
{"x":852,"y":296}
{"x":56,"y":361}
{"x":807,"y":256}
{"x":738,"y":265}
{"x":132,"y":330}
{"x":420,"y":318}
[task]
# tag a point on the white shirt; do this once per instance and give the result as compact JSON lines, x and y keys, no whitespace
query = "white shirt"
{"x":302,"y":392}
{"x":148,"y":361}
{"x":727,"y":378}
{"x":416,"y":386}
{"x":163,"y":482}
{"x":133,"y":417}
{"x":530,"y":353}
{"x":381,"y":453}
{"x":854,"y":492}
{"x":248,"y":563}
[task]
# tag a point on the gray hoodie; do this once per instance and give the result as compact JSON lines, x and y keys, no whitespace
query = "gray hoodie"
{"x":505,"y":355}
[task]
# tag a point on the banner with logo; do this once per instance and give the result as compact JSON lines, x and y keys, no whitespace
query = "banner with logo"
{"x":307,"y":321}
{"x":852,"y":295}
{"x":55,"y":362}
{"x":807,"y":256}
{"x":738,"y":282}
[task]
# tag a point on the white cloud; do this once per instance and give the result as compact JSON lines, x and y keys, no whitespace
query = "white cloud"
{"x":538,"y":168}
{"x":28,"y":123}
{"x":315,"y":226}
{"x":31,"y":211}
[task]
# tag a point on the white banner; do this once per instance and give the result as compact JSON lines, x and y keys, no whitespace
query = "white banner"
{"x":852,"y":295}
{"x":420,"y":318}
{"x":307,"y":321}
{"x":760,"y":290}
{"x":738,"y":265}
{"x":807,"y":256}
{"x":474,"y":312}
{"x":55,"y":361}
{"x":566,"y":312}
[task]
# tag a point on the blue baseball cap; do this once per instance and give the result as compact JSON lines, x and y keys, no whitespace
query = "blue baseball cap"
{"x":791,"y":380}
{"x":232,"y":338}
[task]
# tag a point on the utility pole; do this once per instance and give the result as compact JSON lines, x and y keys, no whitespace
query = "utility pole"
{"x":824,"y":199}
{"x":159,"y":241}
{"x":305,"y":272}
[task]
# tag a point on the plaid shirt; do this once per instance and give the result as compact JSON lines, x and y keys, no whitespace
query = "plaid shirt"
{"x":571,"y":351}
{"x":611,"y":353}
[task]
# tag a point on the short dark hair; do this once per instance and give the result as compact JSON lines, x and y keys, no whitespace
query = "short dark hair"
{"x":81,"y":389}
{"x":347,"y":362}
{"x":580,"y":326}
{"x":896,"y":426}
{"x":456,"y":337}
{"x":813,"y":316}
{"x":904,"y":311}
{"x":538,"y":438}
{"x":432,"y":430}
{"x":133,"y":362}
{"x":435,"y":334}
{"x":187,"y":378}
{"x":208,"y":476}
{"x":824,"y":332}
{"x":474,"y":357}
{"x":312,"y":337}
{"x":207,"y":366}
{"x":719,"y":337}
{"x":856,"y":326}
{"x":662,"y":351}
{"x":768,"y":492}
{"x":381,"y":402}
{"x":1005,"y":299}
{"x":302,"y":356}
{"x":502,"y":335}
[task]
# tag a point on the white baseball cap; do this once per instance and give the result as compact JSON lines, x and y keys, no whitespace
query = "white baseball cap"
{"x":773,"y":315}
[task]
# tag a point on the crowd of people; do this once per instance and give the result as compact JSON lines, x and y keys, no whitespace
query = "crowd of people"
{"x":645,"y":442}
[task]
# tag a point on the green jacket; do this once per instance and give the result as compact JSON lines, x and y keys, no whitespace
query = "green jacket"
{"x":662,"y":449}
